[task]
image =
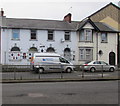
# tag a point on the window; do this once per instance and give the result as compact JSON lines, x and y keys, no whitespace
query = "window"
{"x":103,"y":37}
{"x":15,"y":34}
{"x":63,"y":60}
{"x":86,"y":35}
{"x":86,"y":54}
{"x":15,"y":54}
{"x":33,"y":35}
{"x":31,"y":52}
{"x":67,"y":36}
{"x":50,"y":35}
{"x":50,"y":49}
{"x":97,"y":62}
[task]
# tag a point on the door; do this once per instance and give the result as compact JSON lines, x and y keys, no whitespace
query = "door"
{"x":67,"y":54}
{"x":112,"y":58}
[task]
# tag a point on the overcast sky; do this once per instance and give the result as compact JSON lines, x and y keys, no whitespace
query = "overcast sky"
{"x":52,"y":9}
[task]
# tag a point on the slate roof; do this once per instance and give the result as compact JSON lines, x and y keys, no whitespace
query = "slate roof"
{"x":99,"y":26}
{"x":54,"y":24}
{"x":104,"y":27}
{"x":40,"y":24}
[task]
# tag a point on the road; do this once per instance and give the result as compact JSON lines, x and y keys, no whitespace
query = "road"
{"x":75,"y":74}
{"x":95,"y":92}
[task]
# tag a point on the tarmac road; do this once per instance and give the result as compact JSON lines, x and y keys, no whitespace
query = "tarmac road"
{"x":95,"y":92}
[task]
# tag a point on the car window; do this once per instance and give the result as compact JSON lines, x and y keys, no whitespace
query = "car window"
{"x":87,"y":62}
{"x":97,"y":62}
{"x":102,"y":62}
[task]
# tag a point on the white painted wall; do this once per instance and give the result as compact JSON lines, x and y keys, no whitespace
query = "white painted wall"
{"x":25,"y":43}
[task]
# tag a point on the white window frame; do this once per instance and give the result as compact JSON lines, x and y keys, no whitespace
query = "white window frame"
{"x":83,"y":55}
{"x":32,"y":33}
{"x":85,"y":37}
{"x":67,"y":33}
{"x":17,"y":31}
{"x":50,"y":32}
{"x":104,"y":38}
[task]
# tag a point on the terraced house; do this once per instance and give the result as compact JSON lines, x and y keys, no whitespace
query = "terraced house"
{"x":109,"y":14}
{"x":77,"y":41}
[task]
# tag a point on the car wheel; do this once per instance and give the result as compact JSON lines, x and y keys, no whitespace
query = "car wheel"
{"x":92,"y":69}
{"x":68,"y":70}
{"x":41,"y":70}
{"x":111,"y":69}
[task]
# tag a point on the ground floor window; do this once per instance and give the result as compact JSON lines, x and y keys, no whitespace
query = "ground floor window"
{"x":15,"y":54}
{"x":85,"y":54}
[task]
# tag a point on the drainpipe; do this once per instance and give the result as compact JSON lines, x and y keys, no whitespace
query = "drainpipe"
{"x":0,"y":46}
{"x":118,"y":50}
{"x":96,"y":45}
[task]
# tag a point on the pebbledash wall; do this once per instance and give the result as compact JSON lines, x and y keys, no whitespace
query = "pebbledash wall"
{"x":24,"y":43}
{"x":98,"y":48}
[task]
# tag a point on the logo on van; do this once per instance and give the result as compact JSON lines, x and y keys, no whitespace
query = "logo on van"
{"x":47,"y":59}
{"x":44,"y":59}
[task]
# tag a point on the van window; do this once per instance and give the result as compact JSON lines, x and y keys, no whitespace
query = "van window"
{"x":62,"y":60}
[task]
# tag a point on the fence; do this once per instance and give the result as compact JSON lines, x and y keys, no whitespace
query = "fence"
{"x":25,"y":72}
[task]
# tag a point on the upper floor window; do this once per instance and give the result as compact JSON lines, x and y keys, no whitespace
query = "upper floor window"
{"x":86,"y":35}
{"x":15,"y":34}
{"x":33,"y":34}
{"x":103,"y":37}
{"x":50,"y":35}
{"x":67,"y":36}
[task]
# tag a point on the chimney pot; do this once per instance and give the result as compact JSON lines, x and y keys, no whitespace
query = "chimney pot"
{"x":67,"y":18}
{"x":1,"y":12}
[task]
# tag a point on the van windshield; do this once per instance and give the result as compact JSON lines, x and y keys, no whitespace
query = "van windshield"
{"x":62,"y":60}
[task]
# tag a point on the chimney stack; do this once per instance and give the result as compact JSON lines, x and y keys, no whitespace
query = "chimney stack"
{"x":2,"y":12}
{"x":67,"y":18}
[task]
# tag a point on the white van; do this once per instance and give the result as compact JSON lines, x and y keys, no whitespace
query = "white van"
{"x":42,"y":62}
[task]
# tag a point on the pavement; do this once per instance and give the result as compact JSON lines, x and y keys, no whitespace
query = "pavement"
{"x":61,"y":80}
{"x":105,"y":78}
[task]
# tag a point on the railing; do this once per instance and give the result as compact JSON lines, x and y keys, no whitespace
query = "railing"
{"x":25,"y":72}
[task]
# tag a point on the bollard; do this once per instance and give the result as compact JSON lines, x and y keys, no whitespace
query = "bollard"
{"x":39,"y":73}
{"x":102,"y":71}
{"x":14,"y":74}
{"x":82,"y":71}
{"x":61,"y":72}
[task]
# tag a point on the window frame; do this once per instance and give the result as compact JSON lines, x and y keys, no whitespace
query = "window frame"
{"x":106,"y":39}
{"x":33,"y":32}
{"x":85,"y":37}
{"x":67,"y":34}
{"x":85,"y":54}
{"x":15,"y":31}
{"x":50,"y":32}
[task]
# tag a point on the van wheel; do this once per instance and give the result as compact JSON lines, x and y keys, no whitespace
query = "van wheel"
{"x":92,"y":69}
{"x":68,"y":70}
{"x":41,"y":70}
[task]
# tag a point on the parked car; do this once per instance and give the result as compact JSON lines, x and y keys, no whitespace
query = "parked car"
{"x":42,"y":62}
{"x":93,"y":66}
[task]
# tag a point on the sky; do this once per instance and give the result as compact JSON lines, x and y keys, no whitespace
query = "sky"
{"x":52,"y":9}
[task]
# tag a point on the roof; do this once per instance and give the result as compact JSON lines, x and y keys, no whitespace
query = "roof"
{"x":40,"y":24}
{"x":54,"y":24}
{"x":99,"y":26}
{"x":104,"y":27}
{"x":104,"y":8}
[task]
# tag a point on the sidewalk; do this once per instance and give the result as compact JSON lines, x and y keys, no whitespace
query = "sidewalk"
{"x":61,"y":80}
